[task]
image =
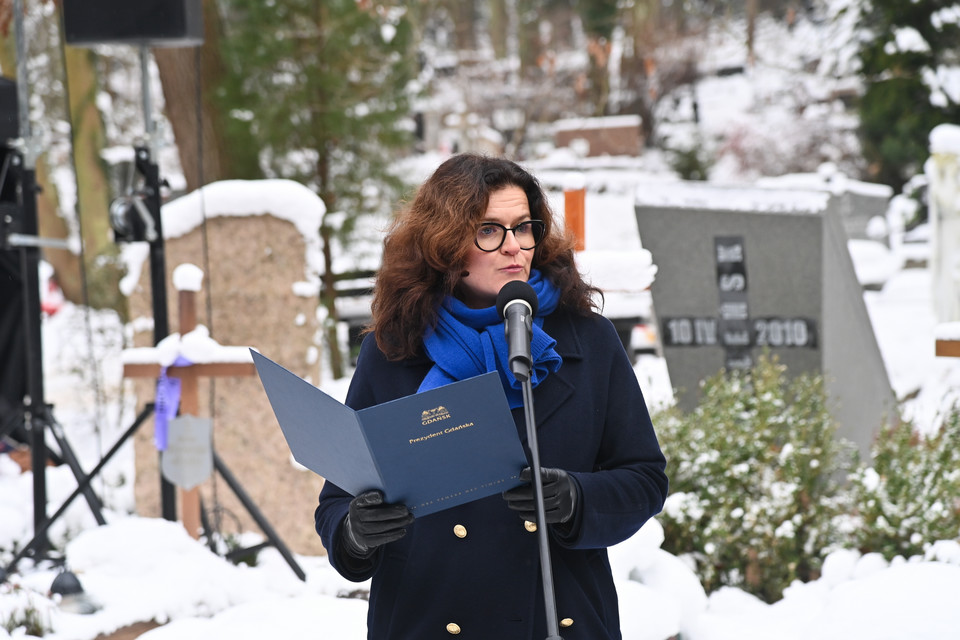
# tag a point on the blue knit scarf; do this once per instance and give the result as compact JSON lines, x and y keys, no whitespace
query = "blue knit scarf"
{"x":468,"y":342}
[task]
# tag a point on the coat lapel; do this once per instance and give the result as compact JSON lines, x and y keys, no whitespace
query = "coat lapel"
{"x":559,"y":386}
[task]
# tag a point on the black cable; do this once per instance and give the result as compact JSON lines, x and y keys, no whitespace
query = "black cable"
{"x":208,"y":294}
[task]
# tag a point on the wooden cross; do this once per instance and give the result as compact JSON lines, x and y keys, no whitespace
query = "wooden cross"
{"x":574,"y":201}
{"x":948,"y":348}
{"x":189,"y":385}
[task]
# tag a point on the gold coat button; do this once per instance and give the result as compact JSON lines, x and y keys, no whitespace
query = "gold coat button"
{"x":566,"y":622}
{"x":460,"y":531}
{"x":529,"y":526}
{"x":453,"y":628}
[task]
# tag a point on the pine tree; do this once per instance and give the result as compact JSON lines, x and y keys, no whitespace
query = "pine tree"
{"x":599,"y":19}
{"x":322,"y":87}
{"x":908,"y":49}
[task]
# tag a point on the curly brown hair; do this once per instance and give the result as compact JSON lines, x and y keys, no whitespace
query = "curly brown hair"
{"x":427,"y":243}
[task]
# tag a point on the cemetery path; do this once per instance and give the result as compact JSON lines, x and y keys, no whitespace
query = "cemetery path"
{"x":129,"y":632}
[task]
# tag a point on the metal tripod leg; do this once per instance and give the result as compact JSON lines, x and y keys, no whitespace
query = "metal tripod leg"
{"x":41,"y":535}
{"x":255,"y":513}
{"x":68,"y":456}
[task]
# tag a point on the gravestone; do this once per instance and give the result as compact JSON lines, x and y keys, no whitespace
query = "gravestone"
{"x":260,"y":266}
{"x":856,"y":203}
{"x":602,"y":136}
{"x":740,"y":270}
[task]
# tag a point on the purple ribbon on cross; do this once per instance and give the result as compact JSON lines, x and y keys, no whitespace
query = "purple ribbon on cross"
{"x":167,"y":403}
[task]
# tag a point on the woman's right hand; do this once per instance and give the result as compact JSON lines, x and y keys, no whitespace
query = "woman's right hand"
{"x":370,"y":523}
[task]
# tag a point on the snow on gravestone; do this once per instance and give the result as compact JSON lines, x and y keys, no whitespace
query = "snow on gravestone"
{"x":859,"y":204}
{"x":741,"y":270}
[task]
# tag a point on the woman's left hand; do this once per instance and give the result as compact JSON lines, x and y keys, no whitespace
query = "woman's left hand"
{"x":560,"y":496}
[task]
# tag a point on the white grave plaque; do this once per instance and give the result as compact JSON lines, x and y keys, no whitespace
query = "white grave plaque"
{"x":188,"y":458}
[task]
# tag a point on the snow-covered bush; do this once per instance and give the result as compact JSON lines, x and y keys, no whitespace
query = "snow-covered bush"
{"x":755,"y":473}
{"x":24,"y":612}
{"x":910,"y":497}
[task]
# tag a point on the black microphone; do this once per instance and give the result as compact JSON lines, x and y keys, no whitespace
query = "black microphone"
{"x":517,"y":304}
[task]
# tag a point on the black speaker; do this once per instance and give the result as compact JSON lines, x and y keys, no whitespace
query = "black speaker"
{"x":9,"y":110}
{"x":152,"y":23}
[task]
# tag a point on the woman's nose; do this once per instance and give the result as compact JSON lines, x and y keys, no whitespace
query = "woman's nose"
{"x":510,"y":246}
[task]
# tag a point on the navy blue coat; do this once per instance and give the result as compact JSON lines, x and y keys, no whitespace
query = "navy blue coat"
{"x":474,"y":570}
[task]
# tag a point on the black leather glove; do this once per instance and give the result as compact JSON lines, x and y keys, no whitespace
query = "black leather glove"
{"x":371,"y":523}
{"x":560,"y":496}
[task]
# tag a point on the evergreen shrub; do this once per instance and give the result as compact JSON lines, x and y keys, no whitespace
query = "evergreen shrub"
{"x":909,"y":498}
{"x":755,"y":479}
{"x":691,"y":163}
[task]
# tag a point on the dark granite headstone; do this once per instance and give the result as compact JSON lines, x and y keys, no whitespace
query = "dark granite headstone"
{"x":740,"y":270}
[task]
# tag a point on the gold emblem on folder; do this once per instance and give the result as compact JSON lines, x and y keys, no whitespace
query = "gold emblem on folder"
{"x":434,"y":415}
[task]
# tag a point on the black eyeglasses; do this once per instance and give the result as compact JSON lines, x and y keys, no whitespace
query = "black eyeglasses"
{"x":490,"y":235}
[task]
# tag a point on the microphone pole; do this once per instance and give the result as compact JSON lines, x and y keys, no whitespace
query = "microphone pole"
{"x":549,"y":598}
{"x":517,"y":303}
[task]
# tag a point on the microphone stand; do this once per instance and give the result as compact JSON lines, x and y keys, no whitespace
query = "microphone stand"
{"x":521,"y":371}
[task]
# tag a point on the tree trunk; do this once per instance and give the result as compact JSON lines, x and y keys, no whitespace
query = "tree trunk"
{"x":599,"y":73}
{"x":499,"y":28}
{"x":88,"y":139}
{"x":179,"y":68}
{"x":65,"y":263}
{"x":328,"y":298}
{"x":328,"y":290}
{"x":530,"y":48}
{"x":464,"y":20}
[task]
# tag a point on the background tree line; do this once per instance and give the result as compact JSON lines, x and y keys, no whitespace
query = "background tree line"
{"x":328,"y":93}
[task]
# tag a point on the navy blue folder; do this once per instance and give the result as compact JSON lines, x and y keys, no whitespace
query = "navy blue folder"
{"x":430,"y":451}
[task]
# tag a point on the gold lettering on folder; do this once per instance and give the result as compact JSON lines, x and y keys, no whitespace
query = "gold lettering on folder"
{"x":446,"y":431}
